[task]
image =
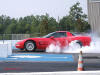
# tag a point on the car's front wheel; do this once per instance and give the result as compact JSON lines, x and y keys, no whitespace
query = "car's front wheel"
{"x":30,"y":46}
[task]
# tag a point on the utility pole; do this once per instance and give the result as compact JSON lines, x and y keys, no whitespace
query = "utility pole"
{"x":59,"y":24}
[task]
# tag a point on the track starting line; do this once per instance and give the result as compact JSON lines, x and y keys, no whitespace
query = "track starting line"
{"x":39,"y":57}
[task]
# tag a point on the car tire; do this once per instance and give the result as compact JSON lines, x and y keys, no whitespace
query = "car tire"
{"x":79,"y":43}
{"x":30,"y":46}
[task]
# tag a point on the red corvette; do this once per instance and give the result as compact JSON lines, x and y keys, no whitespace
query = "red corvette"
{"x":63,"y":37}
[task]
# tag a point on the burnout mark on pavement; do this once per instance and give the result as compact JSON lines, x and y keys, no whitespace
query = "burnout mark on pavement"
{"x":39,"y":57}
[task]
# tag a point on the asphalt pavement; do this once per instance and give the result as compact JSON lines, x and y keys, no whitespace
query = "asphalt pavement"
{"x":91,"y":62}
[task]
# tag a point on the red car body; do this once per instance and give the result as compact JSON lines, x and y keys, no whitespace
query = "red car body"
{"x":63,"y":37}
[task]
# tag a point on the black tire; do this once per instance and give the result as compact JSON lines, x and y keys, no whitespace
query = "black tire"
{"x":30,"y":46}
{"x":80,"y":43}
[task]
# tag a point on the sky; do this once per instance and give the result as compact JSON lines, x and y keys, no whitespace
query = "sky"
{"x":22,"y":8}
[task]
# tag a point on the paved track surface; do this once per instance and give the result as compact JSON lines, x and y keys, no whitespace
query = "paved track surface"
{"x":91,"y":62}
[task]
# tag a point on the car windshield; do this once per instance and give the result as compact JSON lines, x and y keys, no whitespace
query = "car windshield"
{"x":56,"y":35}
{"x":49,"y":35}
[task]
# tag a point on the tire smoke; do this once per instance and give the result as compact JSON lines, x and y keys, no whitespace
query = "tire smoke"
{"x":75,"y":48}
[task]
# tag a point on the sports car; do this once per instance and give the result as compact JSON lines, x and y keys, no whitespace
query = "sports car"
{"x":63,"y":37}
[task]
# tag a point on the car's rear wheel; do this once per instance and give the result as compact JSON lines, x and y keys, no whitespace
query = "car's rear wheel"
{"x":79,"y":44}
{"x":75,"y":44}
{"x":30,"y":46}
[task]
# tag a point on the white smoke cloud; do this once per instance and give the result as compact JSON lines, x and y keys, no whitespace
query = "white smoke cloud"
{"x":74,"y":47}
{"x":52,"y":48}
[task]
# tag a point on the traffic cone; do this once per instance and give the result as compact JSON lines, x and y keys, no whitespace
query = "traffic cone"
{"x":80,"y":62}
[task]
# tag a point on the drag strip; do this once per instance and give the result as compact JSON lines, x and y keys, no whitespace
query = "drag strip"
{"x":45,"y":62}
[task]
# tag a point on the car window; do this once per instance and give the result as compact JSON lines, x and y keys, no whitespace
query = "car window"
{"x":49,"y":35}
{"x":59,"y":34}
{"x":56,"y":34}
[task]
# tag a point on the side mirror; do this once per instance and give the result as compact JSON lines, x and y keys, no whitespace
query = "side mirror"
{"x":52,"y":37}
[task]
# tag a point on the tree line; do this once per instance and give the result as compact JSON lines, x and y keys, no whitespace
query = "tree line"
{"x":76,"y":21}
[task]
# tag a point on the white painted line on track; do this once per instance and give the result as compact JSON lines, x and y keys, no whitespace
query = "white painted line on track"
{"x":57,"y":73}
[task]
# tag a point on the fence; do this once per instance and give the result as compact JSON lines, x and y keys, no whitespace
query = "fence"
{"x":17,"y":36}
{"x":13,"y":38}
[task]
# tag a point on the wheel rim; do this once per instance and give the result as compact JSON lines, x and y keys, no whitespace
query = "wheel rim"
{"x":30,"y":46}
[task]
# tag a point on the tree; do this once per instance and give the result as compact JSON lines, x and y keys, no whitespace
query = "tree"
{"x":52,"y":25}
{"x":78,"y":18}
{"x":5,"y":21}
{"x":44,"y":25}
{"x":65,"y":23}
{"x":35,"y":24}
{"x":11,"y":27}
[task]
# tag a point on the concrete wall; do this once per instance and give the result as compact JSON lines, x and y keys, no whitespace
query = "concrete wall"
{"x":94,"y":15}
{"x":5,"y":50}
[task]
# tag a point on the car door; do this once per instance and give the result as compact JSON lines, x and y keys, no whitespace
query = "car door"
{"x":56,"y":38}
{"x":60,"y":38}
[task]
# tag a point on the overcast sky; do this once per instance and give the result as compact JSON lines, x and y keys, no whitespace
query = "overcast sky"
{"x":55,"y":8}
